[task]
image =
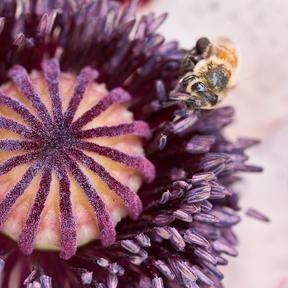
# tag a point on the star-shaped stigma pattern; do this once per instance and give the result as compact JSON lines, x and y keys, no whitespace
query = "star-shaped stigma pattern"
{"x":59,"y":143}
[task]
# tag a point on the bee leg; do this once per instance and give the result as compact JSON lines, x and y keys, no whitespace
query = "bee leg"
{"x":176,"y":97}
{"x":189,"y":111}
{"x":198,"y":113}
{"x":187,"y":65}
{"x":181,"y":113}
{"x":169,"y":103}
{"x":186,"y":112}
{"x":197,"y":107}
{"x":203,"y":97}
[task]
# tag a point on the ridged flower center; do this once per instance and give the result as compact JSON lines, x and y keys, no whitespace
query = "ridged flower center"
{"x":71,"y":162}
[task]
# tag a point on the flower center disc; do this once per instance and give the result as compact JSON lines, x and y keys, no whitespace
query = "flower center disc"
{"x":71,"y":159}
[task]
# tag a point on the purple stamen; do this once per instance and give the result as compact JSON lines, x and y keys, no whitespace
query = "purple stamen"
{"x":257,"y":215}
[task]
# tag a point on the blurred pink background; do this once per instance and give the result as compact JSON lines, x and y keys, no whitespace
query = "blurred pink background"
{"x":259,"y":30}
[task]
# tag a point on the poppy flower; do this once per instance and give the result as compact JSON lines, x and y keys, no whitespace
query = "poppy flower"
{"x":129,"y":192}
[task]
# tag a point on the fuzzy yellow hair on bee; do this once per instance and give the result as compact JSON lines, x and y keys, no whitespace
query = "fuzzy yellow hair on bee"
{"x":207,"y":73}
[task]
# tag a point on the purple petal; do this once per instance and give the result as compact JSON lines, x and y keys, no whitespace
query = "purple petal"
{"x":163,"y":219}
{"x":205,"y":205}
{"x":2,"y":24}
{"x":163,"y":232}
{"x":112,"y":281}
{"x":225,"y":218}
{"x":198,"y":194}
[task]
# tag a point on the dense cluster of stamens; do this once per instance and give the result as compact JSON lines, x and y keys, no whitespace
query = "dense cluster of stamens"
{"x":185,"y":227}
{"x":188,"y":223}
{"x":189,"y":209}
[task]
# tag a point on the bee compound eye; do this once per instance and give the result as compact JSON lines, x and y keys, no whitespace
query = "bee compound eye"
{"x":199,"y":87}
{"x":214,"y":99}
{"x":187,"y":78}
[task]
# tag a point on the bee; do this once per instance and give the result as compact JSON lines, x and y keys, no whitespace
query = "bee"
{"x":206,"y":74}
